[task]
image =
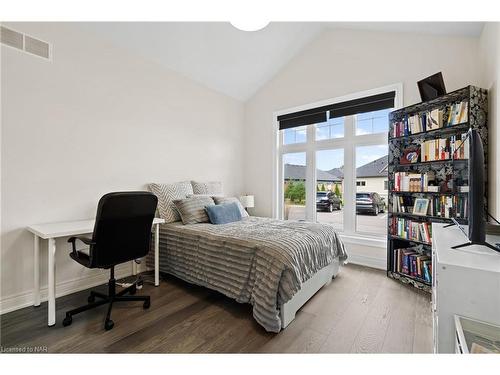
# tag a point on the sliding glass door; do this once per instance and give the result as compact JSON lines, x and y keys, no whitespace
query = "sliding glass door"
{"x":294,"y":186}
{"x":371,"y":189}
{"x":330,"y":187}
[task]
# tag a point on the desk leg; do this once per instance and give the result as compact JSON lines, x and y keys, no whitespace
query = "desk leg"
{"x":52,"y":282}
{"x":36,"y":270}
{"x":157,"y":255}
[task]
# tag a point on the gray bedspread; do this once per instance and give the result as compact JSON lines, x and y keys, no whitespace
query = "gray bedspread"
{"x":257,"y":260}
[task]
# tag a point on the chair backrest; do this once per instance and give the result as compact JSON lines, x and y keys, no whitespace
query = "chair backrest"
{"x":122,"y":230}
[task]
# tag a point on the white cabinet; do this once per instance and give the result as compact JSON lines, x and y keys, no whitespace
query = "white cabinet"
{"x":465,"y":282}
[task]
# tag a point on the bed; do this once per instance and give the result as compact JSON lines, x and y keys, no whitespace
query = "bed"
{"x":274,"y":265}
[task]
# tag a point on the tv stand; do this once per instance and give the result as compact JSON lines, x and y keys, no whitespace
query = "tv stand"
{"x":480,"y":243}
{"x":475,"y":243}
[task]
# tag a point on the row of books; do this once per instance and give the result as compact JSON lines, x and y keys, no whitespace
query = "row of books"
{"x":410,"y":262}
{"x":411,"y":229}
{"x":415,"y":182}
{"x":443,"y":206}
{"x":454,"y":147}
{"x":431,"y":120}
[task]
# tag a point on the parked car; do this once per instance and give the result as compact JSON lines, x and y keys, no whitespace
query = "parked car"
{"x":369,"y":203}
{"x":327,"y":201}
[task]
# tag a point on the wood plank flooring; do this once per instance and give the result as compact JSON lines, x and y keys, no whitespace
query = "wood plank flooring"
{"x":361,"y":311}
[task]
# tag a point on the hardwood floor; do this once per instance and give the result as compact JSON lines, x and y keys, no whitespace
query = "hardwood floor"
{"x":360,"y":311}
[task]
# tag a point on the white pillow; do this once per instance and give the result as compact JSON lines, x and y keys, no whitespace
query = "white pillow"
{"x":166,"y":194}
{"x":207,"y":188}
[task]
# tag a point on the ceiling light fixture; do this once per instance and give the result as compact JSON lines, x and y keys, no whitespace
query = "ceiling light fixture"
{"x":249,"y":25}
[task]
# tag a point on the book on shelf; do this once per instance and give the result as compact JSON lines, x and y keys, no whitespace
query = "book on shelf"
{"x":413,"y":182}
{"x":409,"y":261}
{"x":458,"y":113}
{"x":411,"y":230}
{"x":435,"y":119}
{"x":445,"y":148}
{"x":460,"y":205}
{"x":440,"y":207}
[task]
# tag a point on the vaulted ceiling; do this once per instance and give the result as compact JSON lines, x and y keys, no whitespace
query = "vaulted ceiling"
{"x":238,"y":63}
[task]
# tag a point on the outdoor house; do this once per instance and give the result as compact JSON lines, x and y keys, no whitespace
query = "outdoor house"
{"x":370,"y":177}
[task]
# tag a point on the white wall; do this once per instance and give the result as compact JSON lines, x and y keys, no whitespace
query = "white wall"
{"x":97,"y":119}
{"x":342,"y":62}
{"x":489,"y":45}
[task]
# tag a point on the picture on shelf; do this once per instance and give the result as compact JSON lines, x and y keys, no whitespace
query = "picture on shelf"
{"x":420,"y":207}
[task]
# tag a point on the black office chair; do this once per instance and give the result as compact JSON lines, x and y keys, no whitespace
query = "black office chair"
{"x":122,"y":233}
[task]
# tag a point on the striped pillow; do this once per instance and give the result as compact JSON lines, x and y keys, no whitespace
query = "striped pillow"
{"x":192,"y":210}
{"x":207,"y":188}
{"x":166,"y":194}
{"x":223,"y":200}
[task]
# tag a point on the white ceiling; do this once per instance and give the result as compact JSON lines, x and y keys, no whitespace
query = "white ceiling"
{"x":234,"y":62}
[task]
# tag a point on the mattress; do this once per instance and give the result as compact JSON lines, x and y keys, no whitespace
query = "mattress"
{"x":259,"y":261}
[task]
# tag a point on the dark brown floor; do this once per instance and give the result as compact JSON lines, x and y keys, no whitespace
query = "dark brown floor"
{"x":360,"y":311}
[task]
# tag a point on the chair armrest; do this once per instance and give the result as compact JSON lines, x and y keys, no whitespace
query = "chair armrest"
{"x":85,"y":240}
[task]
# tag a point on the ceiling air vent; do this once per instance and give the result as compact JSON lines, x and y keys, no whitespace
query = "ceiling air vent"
{"x":25,"y":43}
{"x":11,"y":38}
{"x":36,"y":47}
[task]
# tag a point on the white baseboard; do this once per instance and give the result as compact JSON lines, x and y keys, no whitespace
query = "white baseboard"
{"x":363,"y":260}
{"x":25,"y":299}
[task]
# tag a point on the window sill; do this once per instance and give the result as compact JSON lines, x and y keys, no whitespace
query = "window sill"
{"x":358,"y":239}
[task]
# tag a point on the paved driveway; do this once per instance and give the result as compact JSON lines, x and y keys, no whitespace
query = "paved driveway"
{"x":364,"y":223}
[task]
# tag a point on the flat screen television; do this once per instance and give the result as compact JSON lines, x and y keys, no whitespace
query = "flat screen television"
{"x":475,"y":203}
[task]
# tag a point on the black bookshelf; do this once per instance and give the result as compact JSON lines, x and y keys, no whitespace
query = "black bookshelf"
{"x":450,"y":173}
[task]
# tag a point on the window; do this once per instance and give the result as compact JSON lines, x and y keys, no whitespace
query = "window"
{"x":372,"y":122}
{"x":333,"y":163}
{"x":386,"y":185}
{"x":294,"y":135}
{"x":333,"y":128}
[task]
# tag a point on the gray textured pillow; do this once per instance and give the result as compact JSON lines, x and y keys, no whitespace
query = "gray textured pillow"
{"x":166,"y":194}
{"x":207,"y":188}
{"x":223,"y":200}
{"x":192,"y":210}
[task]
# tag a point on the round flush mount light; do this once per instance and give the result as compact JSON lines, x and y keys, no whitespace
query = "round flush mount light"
{"x":249,"y":25}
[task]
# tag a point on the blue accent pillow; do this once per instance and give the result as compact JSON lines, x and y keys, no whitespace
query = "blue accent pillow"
{"x":223,"y":213}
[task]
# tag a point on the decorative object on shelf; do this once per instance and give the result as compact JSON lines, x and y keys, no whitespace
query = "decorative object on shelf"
{"x":421,"y":206}
{"x":247,"y":201}
{"x":431,"y":87}
{"x":410,"y":155}
{"x":437,"y":129}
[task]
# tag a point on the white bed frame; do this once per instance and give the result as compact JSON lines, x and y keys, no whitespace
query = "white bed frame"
{"x":321,"y":278}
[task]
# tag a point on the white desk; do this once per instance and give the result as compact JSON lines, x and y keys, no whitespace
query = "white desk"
{"x":72,"y":228}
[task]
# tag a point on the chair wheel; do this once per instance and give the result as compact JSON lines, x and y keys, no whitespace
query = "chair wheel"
{"x":146,"y":304}
{"x":67,"y":321}
{"x":91,"y":299}
{"x":133,"y":290}
{"x":108,"y":324}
